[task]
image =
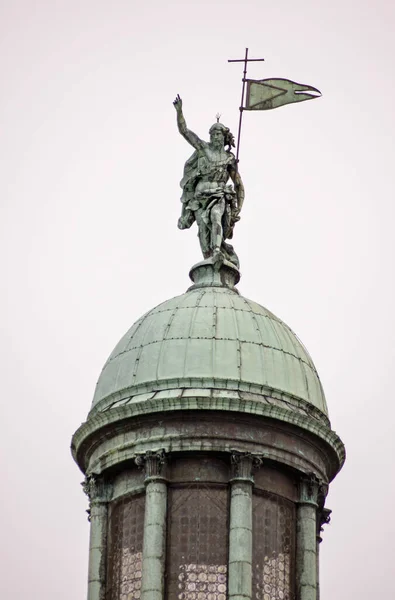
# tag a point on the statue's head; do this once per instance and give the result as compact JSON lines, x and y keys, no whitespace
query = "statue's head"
{"x":221,"y":136}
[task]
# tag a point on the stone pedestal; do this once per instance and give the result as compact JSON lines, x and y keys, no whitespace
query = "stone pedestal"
{"x":210,"y":274}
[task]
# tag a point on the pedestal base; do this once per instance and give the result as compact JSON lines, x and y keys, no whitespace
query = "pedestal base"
{"x":211,"y":274}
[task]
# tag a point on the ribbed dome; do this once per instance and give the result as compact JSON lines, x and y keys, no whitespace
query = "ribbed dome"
{"x":209,"y":339}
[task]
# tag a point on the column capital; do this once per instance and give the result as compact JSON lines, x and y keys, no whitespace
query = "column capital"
{"x":153,"y":463}
{"x":97,"y":489}
{"x":243,"y":464}
{"x":309,"y":489}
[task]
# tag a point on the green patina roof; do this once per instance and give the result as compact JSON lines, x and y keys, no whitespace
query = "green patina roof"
{"x":209,"y":338}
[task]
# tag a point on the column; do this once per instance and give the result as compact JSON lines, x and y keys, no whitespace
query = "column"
{"x":240,"y":530}
{"x":323,"y":518}
{"x":99,"y":495}
{"x":306,"y":539}
{"x":152,"y":586}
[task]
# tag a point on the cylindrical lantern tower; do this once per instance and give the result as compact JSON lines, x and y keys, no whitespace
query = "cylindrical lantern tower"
{"x":207,"y":453}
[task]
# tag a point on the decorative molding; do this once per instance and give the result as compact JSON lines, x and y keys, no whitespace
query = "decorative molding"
{"x":309,"y":489}
{"x":322,"y":494}
{"x":246,"y":391}
{"x":90,"y":434}
{"x":97,"y":489}
{"x":243,"y":464}
{"x":153,"y":463}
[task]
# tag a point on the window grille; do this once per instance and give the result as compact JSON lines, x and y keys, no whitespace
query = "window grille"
{"x":125,"y":547}
{"x":274,"y":531}
{"x":197,"y":542}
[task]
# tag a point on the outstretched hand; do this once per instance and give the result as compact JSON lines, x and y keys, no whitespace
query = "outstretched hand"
{"x":178,"y":103}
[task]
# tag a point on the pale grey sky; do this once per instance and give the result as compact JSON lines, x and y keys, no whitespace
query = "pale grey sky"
{"x":90,"y":167}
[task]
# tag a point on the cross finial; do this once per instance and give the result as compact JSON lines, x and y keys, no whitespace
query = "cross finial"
{"x":245,"y":60}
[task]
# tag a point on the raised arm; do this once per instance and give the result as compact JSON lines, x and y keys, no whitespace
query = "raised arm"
{"x":190,"y":137}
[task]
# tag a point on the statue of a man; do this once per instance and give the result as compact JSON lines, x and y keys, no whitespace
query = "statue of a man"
{"x":207,"y":198}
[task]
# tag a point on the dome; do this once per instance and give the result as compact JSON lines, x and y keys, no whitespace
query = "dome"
{"x":211,"y":340}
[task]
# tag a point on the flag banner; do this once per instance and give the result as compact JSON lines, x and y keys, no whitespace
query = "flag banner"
{"x":264,"y":94}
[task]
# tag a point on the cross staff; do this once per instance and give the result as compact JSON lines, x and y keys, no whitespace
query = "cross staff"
{"x":265,"y":94}
{"x":245,"y":60}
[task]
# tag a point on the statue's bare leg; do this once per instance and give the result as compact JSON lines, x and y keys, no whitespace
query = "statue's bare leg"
{"x":203,"y":234}
{"x":217,"y":233}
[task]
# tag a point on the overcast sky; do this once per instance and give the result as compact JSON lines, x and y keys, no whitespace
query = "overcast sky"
{"x":90,"y":166}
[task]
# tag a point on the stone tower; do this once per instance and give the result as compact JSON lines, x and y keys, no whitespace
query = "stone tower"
{"x":207,"y":453}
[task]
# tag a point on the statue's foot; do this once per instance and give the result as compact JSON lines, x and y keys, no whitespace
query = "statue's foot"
{"x":218,"y":258}
{"x":230,"y":254}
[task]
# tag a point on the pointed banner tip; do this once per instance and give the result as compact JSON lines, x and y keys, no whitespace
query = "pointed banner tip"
{"x":266,"y":94}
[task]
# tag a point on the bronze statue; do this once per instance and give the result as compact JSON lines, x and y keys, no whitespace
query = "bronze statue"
{"x":207,"y":198}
